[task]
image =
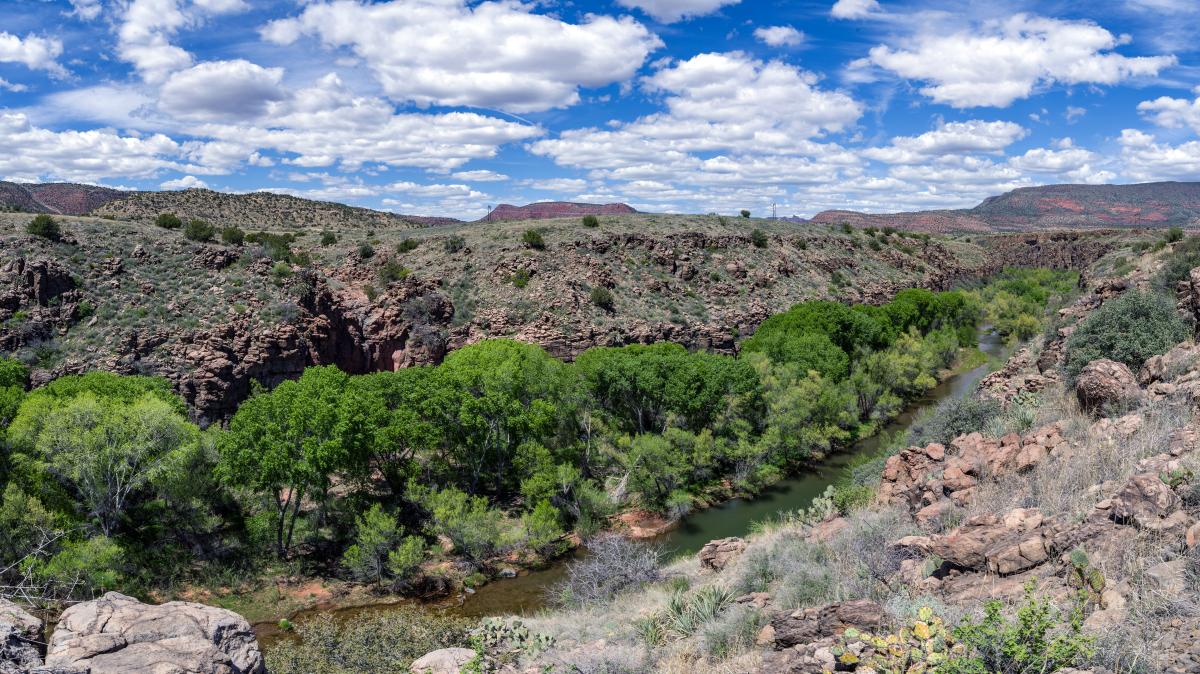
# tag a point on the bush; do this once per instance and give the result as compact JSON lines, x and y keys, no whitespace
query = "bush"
{"x":44,"y":226}
{"x":591,"y":221}
{"x":533,"y":239}
{"x":474,"y":528}
{"x":603,"y":298}
{"x":377,"y":533}
{"x":366,"y":251}
{"x":198,"y":230}
{"x":277,"y":246}
{"x":1174,"y":234}
{"x":393,"y":271}
{"x":1184,"y":258}
{"x":168,"y":221}
{"x":614,"y":564}
{"x":758,"y":238}
{"x":453,"y":244}
{"x":406,"y":245}
{"x":374,"y":644}
{"x":233,"y":236}
{"x":543,"y":531}
{"x":1129,"y":329}
{"x":745,"y":213}
{"x":952,"y":418}
{"x":328,"y":238}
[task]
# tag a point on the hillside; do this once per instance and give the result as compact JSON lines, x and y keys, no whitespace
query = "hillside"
{"x":544,"y":210}
{"x":131,"y":297}
{"x":59,"y":198}
{"x":258,"y":210}
{"x":1164,"y":204}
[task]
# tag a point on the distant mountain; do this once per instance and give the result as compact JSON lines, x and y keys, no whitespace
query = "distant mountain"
{"x":58,"y":198}
{"x":1164,"y":204}
{"x":553,"y":209}
{"x":258,"y":210}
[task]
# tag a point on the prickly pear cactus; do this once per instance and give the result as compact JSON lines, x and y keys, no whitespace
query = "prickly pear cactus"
{"x":917,"y":648}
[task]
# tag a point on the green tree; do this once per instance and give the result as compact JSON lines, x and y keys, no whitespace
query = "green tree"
{"x":745,"y":213}
{"x":1174,"y":234}
{"x":107,"y":452}
{"x":168,"y":221}
{"x":377,"y":533}
{"x":44,"y":226}
{"x":406,"y":558}
{"x":543,"y":530}
{"x":472,"y":526}
{"x":285,"y":444}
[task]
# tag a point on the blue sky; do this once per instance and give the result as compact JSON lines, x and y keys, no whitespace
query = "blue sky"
{"x":444,"y":107}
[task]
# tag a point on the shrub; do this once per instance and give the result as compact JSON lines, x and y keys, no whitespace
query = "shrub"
{"x":533,"y":239}
{"x":1174,"y":234}
{"x":373,"y":644}
{"x":392,"y":270}
{"x":453,"y":244}
{"x":277,"y":246}
{"x":1178,"y":263}
{"x":44,"y":226}
{"x":198,"y":230}
{"x":846,"y":228}
{"x":474,"y":528}
{"x":520,"y":278}
{"x":168,"y":221}
{"x":745,"y":213}
{"x":758,"y":238}
{"x":591,"y":221}
{"x":952,"y":418}
{"x":407,"y":245}
{"x":281,"y":270}
{"x":328,"y":238}
{"x":1128,"y":329}
{"x":543,"y":531}
{"x":233,"y":236}
{"x":366,"y":250}
{"x":614,"y":564}
{"x":603,"y":298}
{"x":1039,"y":640}
{"x":377,"y":533}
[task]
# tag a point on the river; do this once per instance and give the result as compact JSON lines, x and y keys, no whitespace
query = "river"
{"x":526,"y":593}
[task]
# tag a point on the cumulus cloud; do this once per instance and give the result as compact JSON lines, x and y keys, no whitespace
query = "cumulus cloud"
{"x":853,"y":9}
{"x":779,"y":36}
{"x":999,"y":62}
{"x":493,"y":55}
{"x":185,"y":183}
{"x":32,"y":51}
{"x":86,"y":9}
{"x":670,"y":11}
{"x":955,"y":138}
{"x":1173,"y":113}
{"x":33,"y":153}
{"x":221,"y":90}
{"x":1144,"y":158}
{"x":11,"y":86}
{"x":147,"y":27}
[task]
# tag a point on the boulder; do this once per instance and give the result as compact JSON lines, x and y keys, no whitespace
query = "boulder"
{"x":20,"y":633}
{"x":1104,"y":384}
{"x":443,"y":661}
{"x":117,"y":634}
{"x":715,"y":555}
{"x":812,"y":624}
{"x":1001,"y":545}
{"x":1144,"y":501}
{"x":25,"y":623}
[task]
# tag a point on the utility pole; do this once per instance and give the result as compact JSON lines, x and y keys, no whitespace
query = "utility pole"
{"x":774,"y":216}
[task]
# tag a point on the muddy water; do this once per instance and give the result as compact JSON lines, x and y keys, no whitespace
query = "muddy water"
{"x":525,"y":594}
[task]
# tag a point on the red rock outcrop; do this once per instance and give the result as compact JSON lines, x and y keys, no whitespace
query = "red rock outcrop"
{"x":545,"y":210}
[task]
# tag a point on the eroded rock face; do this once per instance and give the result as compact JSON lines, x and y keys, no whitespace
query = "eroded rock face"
{"x":117,"y":634}
{"x":20,"y":632}
{"x":716,"y":555}
{"x":1002,"y":544}
{"x":812,"y":624}
{"x":1104,"y":384}
{"x":42,"y":294}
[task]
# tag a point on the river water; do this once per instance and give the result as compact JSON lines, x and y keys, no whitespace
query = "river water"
{"x":526,"y":593}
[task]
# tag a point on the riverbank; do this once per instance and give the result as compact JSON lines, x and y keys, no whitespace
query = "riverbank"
{"x":525,"y":594}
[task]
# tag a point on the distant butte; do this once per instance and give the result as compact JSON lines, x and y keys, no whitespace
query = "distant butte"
{"x":544,"y":210}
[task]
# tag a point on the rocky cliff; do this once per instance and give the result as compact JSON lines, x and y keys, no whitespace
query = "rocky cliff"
{"x":546,"y":210}
{"x":60,"y":198}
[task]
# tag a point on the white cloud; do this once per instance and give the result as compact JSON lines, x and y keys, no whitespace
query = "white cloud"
{"x":143,"y":38}
{"x":968,"y":137}
{"x":1146,"y":159}
{"x":33,"y":153}
{"x":1073,"y":113}
{"x":480,"y":176}
{"x":185,"y":183}
{"x":999,"y":62}
{"x":86,"y":9}
{"x":853,"y":9}
{"x":670,"y":11}
{"x":11,"y":86}
{"x":429,"y":51}
{"x":32,"y":51}
{"x":1172,"y":113}
{"x":557,"y":184}
{"x":779,"y":36}
{"x":217,"y":90}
